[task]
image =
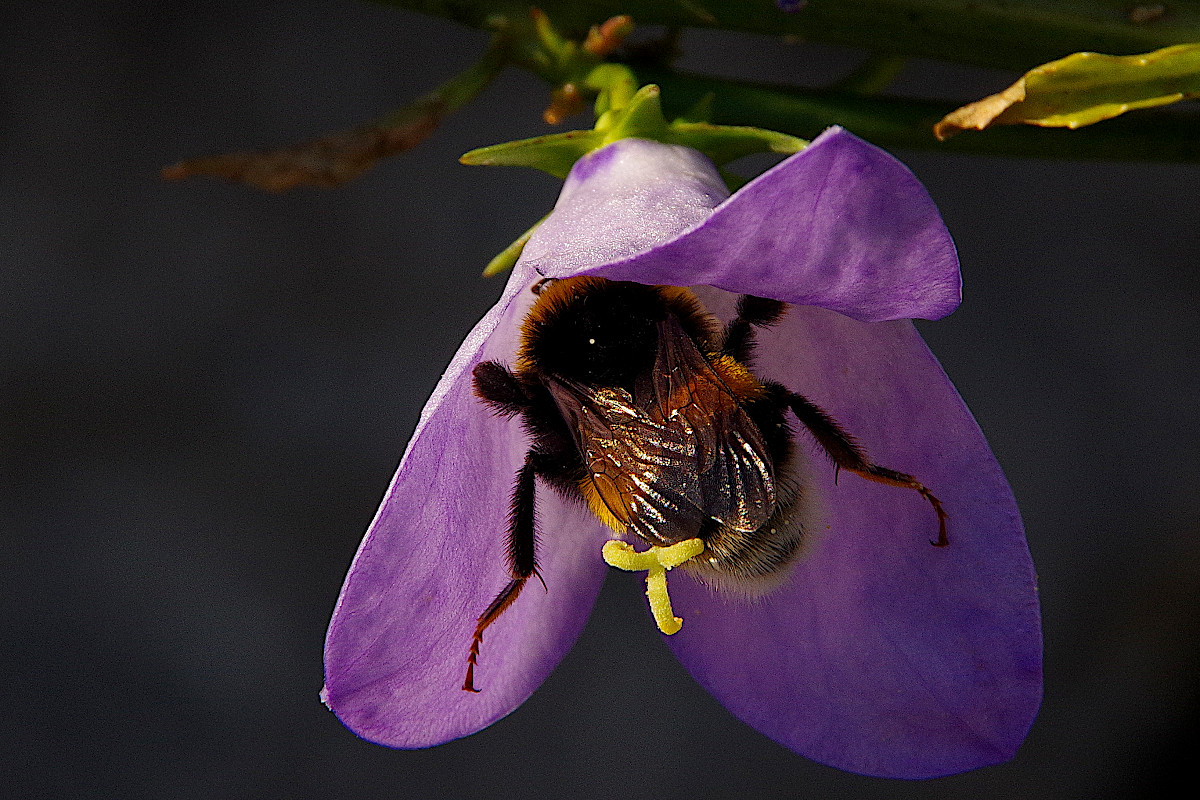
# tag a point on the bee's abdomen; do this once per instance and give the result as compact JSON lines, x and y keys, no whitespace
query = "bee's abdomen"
{"x":754,"y":563}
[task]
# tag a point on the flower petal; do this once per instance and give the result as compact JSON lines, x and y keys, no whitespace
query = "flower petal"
{"x":623,"y":199}
{"x":841,"y":225}
{"x":434,"y":558}
{"x":882,"y":655}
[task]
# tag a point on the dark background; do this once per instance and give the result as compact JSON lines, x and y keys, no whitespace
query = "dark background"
{"x":205,"y":391}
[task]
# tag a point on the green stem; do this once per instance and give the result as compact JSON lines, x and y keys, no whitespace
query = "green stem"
{"x":873,"y":76}
{"x":615,"y":84}
{"x":1007,"y":34}
{"x":892,"y":122}
{"x":459,"y":90}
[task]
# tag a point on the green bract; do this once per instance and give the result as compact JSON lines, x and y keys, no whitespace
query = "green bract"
{"x":642,"y":118}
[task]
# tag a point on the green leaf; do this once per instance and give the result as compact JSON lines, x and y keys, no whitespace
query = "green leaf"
{"x":1084,"y":88}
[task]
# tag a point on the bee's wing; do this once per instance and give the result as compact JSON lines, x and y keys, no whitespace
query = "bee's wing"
{"x":644,"y":471}
{"x":739,"y":489}
{"x":733,"y":461}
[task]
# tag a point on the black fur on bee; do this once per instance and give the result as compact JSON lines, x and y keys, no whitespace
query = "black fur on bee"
{"x":641,"y":405}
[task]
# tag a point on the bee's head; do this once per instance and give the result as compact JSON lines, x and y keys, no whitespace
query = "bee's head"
{"x":592,"y":330}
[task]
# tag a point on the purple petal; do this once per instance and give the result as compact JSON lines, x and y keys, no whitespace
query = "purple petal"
{"x":841,"y":225}
{"x":624,"y":199}
{"x":882,"y":655}
{"x":434,"y":558}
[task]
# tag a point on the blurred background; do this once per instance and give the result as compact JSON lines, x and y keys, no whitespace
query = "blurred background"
{"x":204,"y":391}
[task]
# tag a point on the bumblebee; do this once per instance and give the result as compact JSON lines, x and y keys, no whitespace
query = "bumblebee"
{"x":640,"y":404}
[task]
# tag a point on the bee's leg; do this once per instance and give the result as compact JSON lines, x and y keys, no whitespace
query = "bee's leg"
{"x":497,"y":386}
{"x":751,"y":312}
{"x":521,"y":561}
{"x":847,"y":454}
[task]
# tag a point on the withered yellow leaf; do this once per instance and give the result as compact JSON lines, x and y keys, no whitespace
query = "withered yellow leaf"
{"x":1084,"y":88}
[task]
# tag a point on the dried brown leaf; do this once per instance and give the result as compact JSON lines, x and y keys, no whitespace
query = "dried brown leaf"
{"x":979,"y":115}
{"x":328,"y":161}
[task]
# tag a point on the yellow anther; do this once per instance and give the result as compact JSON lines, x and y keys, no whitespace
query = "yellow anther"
{"x":656,"y":561}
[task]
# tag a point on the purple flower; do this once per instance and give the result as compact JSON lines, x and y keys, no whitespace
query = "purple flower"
{"x":880,"y":654}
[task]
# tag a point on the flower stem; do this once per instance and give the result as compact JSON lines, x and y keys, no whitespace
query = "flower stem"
{"x":875,"y":74}
{"x":336,"y":158}
{"x":1007,"y":34}
{"x":507,"y":257}
{"x":1166,"y":135}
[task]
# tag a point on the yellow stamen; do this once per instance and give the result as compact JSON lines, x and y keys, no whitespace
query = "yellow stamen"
{"x":656,"y":561}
